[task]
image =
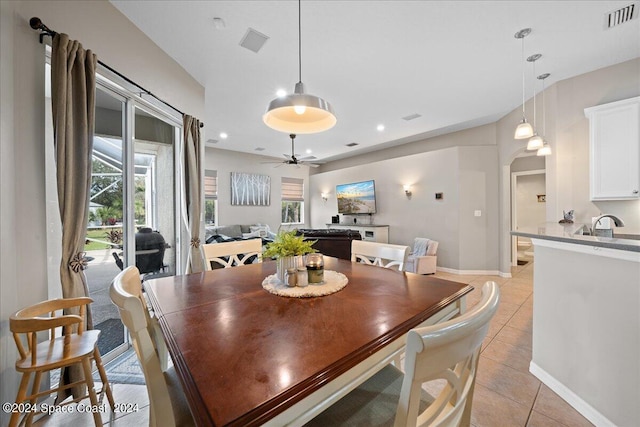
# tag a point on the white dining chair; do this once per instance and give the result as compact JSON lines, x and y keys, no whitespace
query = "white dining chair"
{"x":447,"y":351}
{"x":230,"y":254}
{"x":168,"y":405}
{"x":381,"y":254}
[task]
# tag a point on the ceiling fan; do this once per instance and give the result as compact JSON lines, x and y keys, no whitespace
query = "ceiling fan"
{"x":293,"y":160}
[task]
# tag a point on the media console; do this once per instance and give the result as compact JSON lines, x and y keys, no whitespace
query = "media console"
{"x":369,"y":232}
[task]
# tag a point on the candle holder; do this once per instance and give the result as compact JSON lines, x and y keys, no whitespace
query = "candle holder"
{"x":315,"y":268}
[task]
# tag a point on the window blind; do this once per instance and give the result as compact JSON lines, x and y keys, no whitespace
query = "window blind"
{"x":210,"y":184}
{"x":293,"y":189}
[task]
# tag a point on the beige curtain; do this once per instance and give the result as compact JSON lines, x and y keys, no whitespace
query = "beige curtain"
{"x":73,"y":89}
{"x":194,"y":191}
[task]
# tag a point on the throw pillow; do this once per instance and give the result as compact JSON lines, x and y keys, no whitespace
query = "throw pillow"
{"x":260,"y":229}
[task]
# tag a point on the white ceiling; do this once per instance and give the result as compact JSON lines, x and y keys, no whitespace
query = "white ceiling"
{"x":456,"y":63}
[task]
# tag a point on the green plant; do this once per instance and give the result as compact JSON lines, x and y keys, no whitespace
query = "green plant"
{"x":287,"y":243}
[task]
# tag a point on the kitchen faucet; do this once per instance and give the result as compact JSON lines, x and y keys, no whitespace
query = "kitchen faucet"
{"x":606,"y":233}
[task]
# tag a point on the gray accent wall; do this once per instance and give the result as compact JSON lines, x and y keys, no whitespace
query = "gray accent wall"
{"x":225,"y":162}
{"x":466,"y":176}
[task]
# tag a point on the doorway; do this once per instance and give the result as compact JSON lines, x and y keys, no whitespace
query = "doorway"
{"x":528,"y":209}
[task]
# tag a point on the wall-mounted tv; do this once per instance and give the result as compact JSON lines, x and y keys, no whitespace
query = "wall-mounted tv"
{"x":356,"y":198}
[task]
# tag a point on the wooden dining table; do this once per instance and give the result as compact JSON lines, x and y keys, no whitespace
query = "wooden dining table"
{"x":248,"y":357}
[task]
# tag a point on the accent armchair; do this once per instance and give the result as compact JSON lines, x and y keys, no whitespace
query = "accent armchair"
{"x":422,"y":259}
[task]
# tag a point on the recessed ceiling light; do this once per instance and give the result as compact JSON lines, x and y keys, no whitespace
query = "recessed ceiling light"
{"x":309,"y":151}
{"x":223,"y":135}
{"x":281,"y":93}
{"x":380,"y":127}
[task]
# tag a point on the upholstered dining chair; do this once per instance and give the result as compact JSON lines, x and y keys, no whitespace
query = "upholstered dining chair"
{"x":230,"y":254}
{"x":447,"y":351}
{"x":380,"y":254}
{"x":168,"y":405}
{"x":75,"y":346}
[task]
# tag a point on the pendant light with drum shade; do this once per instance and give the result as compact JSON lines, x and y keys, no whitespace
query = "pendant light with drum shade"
{"x":545,"y":150}
{"x":299,"y":112}
{"x":524,"y":129}
{"x":535,"y":142}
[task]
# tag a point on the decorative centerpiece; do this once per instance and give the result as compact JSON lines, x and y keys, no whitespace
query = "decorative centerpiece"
{"x":288,"y":248}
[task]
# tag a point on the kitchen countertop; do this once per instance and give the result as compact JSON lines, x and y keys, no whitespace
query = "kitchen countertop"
{"x":567,"y":233}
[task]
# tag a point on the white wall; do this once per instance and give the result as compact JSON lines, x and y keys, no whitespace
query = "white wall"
{"x":100,"y":27}
{"x":225,"y":162}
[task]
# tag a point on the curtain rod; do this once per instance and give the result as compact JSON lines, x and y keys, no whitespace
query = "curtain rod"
{"x":37,"y":24}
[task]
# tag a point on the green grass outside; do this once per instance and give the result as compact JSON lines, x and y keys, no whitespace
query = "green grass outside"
{"x":101,"y":235}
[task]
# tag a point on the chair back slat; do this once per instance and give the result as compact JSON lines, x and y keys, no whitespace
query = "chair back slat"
{"x":71,"y":349}
{"x":236,"y":252}
{"x":126,"y":294}
{"x":448,"y":351}
{"x":381,"y":254}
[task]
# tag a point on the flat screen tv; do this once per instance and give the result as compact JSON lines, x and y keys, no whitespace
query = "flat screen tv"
{"x":356,"y":198}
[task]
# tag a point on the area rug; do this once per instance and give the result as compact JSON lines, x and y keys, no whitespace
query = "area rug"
{"x":124,"y":369}
{"x":111,"y":335}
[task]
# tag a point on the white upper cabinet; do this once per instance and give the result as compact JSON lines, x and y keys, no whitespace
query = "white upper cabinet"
{"x":614,"y":130}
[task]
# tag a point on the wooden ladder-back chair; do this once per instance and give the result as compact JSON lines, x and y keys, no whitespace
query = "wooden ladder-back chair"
{"x":74,"y":346}
{"x":446,"y":351}
{"x":168,"y":405}
{"x":228,"y":254}
{"x":380,"y":254}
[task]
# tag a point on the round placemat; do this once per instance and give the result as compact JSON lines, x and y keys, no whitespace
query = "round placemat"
{"x":333,"y":282}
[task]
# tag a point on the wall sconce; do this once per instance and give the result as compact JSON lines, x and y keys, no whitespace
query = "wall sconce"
{"x":325,"y":196}
{"x":407,"y":190}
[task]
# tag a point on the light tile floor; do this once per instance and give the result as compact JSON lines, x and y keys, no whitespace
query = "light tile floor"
{"x":506,"y":394}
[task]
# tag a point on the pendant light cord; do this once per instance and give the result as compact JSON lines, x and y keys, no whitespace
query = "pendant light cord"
{"x":534,"y":97}
{"x":544,"y":116}
{"x":523,"y":113}
{"x":299,"y":44}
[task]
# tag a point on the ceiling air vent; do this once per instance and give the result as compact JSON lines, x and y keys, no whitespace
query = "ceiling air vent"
{"x":620,"y":16}
{"x":259,"y":149}
{"x":253,"y":40}
{"x":212,"y":141}
{"x":411,"y":116}
{"x":352,"y":144}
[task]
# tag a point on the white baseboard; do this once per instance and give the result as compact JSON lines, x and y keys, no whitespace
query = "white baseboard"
{"x":473,"y":272}
{"x":587,"y":411}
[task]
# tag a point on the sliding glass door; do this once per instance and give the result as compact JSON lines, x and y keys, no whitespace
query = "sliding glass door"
{"x":133,"y":209}
{"x":132,"y":212}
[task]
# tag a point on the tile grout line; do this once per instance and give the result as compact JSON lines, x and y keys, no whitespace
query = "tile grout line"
{"x":533,"y":404}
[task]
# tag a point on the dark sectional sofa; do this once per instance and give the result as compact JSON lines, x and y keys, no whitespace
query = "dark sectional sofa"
{"x":332,"y":242}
